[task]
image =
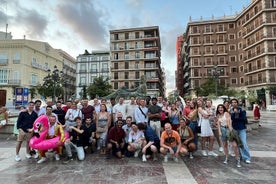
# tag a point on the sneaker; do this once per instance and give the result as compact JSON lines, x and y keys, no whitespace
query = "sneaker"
{"x":144,"y":159}
{"x":211,"y":153}
{"x":248,"y":161}
{"x":238,"y":163}
{"x":28,"y":155}
{"x":136,"y":153}
{"x":220,"y":149}
{"x":191,"y":155}
{"x":226,"y":160}
{"x":232,"y":154}
{"x":175,"y":159}
{"x":204,"y":153}
{"x":17,"y":158}
{"x":68,"y":160}
{"x":98,"y":148}
{"x":43,"y":159}
{"x":36,"y":155}
{"x":165,"y":158}
{"x":57,"y":156}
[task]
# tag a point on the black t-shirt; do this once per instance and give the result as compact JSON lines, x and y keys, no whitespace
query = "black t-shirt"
{"x":77,"y":137}
{"x":153,"y":109}
{"x":88,"y":130}
{"x":61,"y":115}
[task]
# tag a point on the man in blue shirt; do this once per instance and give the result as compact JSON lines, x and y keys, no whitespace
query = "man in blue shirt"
{"x":151,"y":144}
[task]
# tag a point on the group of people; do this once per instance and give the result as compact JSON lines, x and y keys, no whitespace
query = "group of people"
{"x":141,"y":128}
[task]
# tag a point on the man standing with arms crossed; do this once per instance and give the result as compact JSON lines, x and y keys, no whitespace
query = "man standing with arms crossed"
{"x":154,"y":115}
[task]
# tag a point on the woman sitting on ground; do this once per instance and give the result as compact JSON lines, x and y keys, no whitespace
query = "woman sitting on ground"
{"x":187,"y":137}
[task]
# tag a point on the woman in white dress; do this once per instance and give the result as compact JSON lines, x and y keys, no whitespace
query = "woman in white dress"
{"x":206,"y":130}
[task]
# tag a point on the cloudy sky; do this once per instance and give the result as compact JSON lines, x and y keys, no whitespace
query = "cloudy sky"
{"x":76,"y":25}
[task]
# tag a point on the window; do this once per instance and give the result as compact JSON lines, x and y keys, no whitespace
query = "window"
{"x":208,"y":50}
{"x":234,"y":70}
{"x":16,"y":58}
{"x":126,"y":45}
{"x":241,"y":57}
{"x":136,"y":65}
{"x":232,"y":58}
{"x":220,"y":28}
{"x":105,"y":67}
{"x":207,"y":29}
{"x":196,"y":83}
{"x":126,"y":36}
{"x":232,"y":47}
{"x":33,"y":79}
{"x":116,"y":56}
{"x":207,"y":39}
{"x":258,"y":49}
{"x":241,"y":80}
{"x":127,"y":85}
{"x":126,"y":75}
{"x":233,"y":81}
{"x":115,"y":65}
{"x":137,"y":35}
{"x":195,"y":61}
{"x":126,"y":55}
{"x":259,"y":66}
{"x":136,"y":84}
{"x":136,"y":45}
{"x":116,"y":75}
{"x":195,"y":51}
{"x":231,"y":36}
{"x":240,"y":45}
{"x":4,"y":75}
{"x":221,"y":49}
{"x":195,"y":40}
{"x":126,"y":65}
{"x":273,"y":3}
{"x":115,"y":85}
{"x":221,"y":60}
{"x":116,"y":37}
{"x":231,"y":25}
{"x":94,"y":58}
{"x":208,"y":61}
{"x":196,"y":72}
{"x":137,"y":54}
{"x":220,"y":38}
{"x":195,"y":29}
{"x":274,"y":31}
{"x":137,"y":75}
{"x":82,"y":80}
{"x":116,"y":46}
{"x":82,"y":67}
{"x":3,"y":58}
{"x":94,"y":68}
{"x":241,"y":68}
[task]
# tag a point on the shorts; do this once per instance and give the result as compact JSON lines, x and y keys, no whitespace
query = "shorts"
{"x":224,"y":133}
{"x":149,"y":152}
{"x":174,"y":149}
{"x":115,"y":149}
{"x":136,"y":145}
{"x":24,"y":135}
{"x":3,"y":122}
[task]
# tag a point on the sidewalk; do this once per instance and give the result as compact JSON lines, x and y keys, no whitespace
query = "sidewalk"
{"x":95,"y":169}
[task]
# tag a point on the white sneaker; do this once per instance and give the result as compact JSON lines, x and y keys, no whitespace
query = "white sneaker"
{"x":175,"y":159}
{"x":144,"y":159}
{"x":43,"y":159}
{"x":248,"y":161}
{"x":57,"y":156}
{"x":220,"y":149}
{"x":191,"y":155}
{"x":35,"y":155}
{"x":17,"y":158}
{"x":226,"y":160}
{"x":211,"y":153}
{"x":232,"y":154}
{"x":204,"y":153}
{"x":165,"y":158}
{"x":28,"y":155}
{"x":136,"y":153}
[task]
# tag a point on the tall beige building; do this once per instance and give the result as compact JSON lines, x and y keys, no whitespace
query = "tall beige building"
{"x":24,"y":63}
{"x":136,"y":53}
{"x":242,"y":48}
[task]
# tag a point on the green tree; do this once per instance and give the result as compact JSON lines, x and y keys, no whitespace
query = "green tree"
{"x":209,"y":88}
{"x":50,"y":86}
{"x":32,"y":92}
{"x":100,"y":87}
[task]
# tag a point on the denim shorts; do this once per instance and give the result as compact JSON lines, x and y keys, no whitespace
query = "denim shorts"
{"x":224,"y":133}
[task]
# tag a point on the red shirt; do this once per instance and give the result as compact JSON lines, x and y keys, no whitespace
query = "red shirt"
{"x":116,"y":134}
{"x":186,"y":110}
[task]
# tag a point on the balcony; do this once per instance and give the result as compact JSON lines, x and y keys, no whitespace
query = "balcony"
{"x":16,"y":61}
{"x":4,"y":62}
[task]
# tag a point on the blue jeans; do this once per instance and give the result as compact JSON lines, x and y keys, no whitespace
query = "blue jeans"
{"x":193,"y":125}
{"x":245,"y":150}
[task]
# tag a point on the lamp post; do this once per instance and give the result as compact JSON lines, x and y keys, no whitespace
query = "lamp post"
{"x":56,"y":76}
{"x":216,"y":76}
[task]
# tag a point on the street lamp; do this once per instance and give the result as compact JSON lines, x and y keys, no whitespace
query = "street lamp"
{"x":56,"y":76}
{"x":216,"y":75}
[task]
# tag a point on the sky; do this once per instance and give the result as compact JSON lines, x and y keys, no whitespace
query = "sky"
{"x":78,"y":25}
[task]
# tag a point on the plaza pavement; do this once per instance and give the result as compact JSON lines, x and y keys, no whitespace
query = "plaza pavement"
{"x":96,"y":169}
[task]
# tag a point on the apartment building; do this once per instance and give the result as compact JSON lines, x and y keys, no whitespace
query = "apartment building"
{"x":241,"y":48}
{"x":91,"y":66}
{"x":179,"y":73}
{"x":24,"y":64}
{"x":136,"y":52}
